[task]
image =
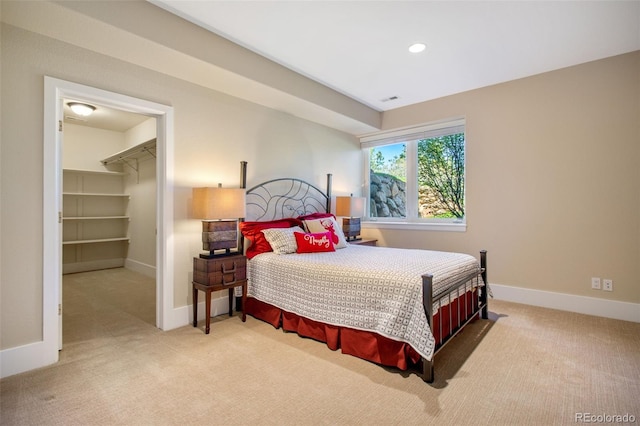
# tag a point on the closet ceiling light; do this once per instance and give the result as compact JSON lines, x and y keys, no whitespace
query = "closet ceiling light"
{"x":417,"y":47}
{"x":81,"y":109}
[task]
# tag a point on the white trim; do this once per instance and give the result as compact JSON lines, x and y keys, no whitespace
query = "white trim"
{"x":614,"y":309}
{"x":415,"y":226}
{"x":24,"y":358}
{"x":401,"y":132}
{"x":140,"y":267}
{"x":410,"y":137}
{"x":164,"y":219}
{"x":72,"y":268}
{"x":55,"y":91}
{"x":51,"y":231}
{"x":219,"y":306}
{"x":177,"y":317}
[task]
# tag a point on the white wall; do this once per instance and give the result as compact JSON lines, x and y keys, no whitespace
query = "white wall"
{"x":142,"y":185}
{"x":143,"y":132}
{"x":84,"y":147}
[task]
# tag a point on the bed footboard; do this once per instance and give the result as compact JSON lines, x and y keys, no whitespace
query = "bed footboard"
{"x":464,"y":316}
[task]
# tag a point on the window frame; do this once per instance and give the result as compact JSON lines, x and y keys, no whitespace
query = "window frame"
{"x":410,"y":136}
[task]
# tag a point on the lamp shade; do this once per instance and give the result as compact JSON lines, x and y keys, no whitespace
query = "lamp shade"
{"x":218,"y":203}
{"x":350,"y":206}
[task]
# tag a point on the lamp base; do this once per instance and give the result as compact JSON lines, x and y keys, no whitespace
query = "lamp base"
{"x":219,"y":236}
{"x":351,"y":227}
{"x":213,"y":253}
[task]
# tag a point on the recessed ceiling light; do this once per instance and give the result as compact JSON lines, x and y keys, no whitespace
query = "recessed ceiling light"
{"x":417,"y":47}
{"x":81,"y":109}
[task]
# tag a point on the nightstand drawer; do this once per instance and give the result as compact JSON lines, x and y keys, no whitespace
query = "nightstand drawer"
{"x":220,"y":271}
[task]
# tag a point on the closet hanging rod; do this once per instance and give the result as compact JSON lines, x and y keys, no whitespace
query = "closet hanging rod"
{"x":145,"y":147}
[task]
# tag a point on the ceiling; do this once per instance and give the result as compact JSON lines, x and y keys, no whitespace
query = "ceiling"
{"x":360,"y":48}
{"x":103,"y":118}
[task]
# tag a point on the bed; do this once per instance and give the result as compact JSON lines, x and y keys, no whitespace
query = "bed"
{"x":394,"y":307}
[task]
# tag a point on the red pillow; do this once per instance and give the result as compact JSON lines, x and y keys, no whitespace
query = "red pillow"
{"x":317,"y":215}
{"x":314,"y":243}
{"x":253,"y":232}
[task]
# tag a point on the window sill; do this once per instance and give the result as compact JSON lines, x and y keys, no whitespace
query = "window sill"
{"x":414,"y":226}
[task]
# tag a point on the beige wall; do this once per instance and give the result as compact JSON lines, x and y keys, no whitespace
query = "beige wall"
{"x":213,"y":133}
{"x":553,"y":178}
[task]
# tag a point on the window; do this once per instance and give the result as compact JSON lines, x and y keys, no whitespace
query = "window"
{"x":416,"y":176}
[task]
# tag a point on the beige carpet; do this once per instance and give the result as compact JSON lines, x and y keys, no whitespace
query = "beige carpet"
{"x":524,"y":366}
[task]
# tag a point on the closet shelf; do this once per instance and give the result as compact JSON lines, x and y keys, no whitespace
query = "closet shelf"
{"x":94,"y":172}
{"x":131,"y":155}
{"x":94,"y":217}
{"x":94,"y":194}
{"x":95,"y":220}
{"x":99,"y":240}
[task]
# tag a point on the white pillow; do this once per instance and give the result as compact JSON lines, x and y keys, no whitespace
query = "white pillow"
{"x":327,"y":224}
{"x":282,"y":240}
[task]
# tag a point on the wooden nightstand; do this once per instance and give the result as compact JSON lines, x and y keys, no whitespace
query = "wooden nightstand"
{"x":224,"y":272}
{"x":365,"y":242}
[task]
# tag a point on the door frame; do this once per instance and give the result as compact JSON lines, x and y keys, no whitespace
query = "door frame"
{"x":55,"y":91}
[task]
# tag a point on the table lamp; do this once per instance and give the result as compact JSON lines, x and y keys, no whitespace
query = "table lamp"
{"x":219,"y":208}
{"x":352,"y":208}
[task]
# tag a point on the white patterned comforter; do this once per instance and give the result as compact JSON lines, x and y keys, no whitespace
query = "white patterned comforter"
{"x":366,"y":288}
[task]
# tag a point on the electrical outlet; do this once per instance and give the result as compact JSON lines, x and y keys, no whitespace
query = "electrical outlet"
{"x":607,"y":285}
{"x":595,"y":283}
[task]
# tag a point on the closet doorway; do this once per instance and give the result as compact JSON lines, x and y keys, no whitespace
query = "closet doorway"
{"x":109,"y":219}
{"x":55,"y":93}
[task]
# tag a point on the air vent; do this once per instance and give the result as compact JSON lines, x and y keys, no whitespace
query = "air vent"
{"x":391,"y":98}
{"x":72,"y":118}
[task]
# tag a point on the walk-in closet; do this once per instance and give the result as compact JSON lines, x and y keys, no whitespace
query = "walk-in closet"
{"x":108,"y":216}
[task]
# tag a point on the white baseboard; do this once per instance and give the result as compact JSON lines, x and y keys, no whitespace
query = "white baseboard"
{"x":24,"y":358}
{"x":94,"y":265}
{"x":625,"y":311}
{"x":31,"y":356}
{"x":184,"y":315}
{"x":176,"y":318}
{"x":142,"y":268}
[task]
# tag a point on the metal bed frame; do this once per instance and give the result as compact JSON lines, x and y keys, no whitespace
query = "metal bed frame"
{"x":291,"y":197}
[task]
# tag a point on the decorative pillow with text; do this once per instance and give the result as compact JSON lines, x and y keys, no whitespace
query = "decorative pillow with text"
{"x":314,"y":243}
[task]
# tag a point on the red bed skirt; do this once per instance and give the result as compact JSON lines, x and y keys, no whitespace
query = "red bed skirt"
{"x":362,"y":344}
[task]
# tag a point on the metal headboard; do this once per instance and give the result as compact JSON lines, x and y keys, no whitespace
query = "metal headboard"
{"x":285,"y":197}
